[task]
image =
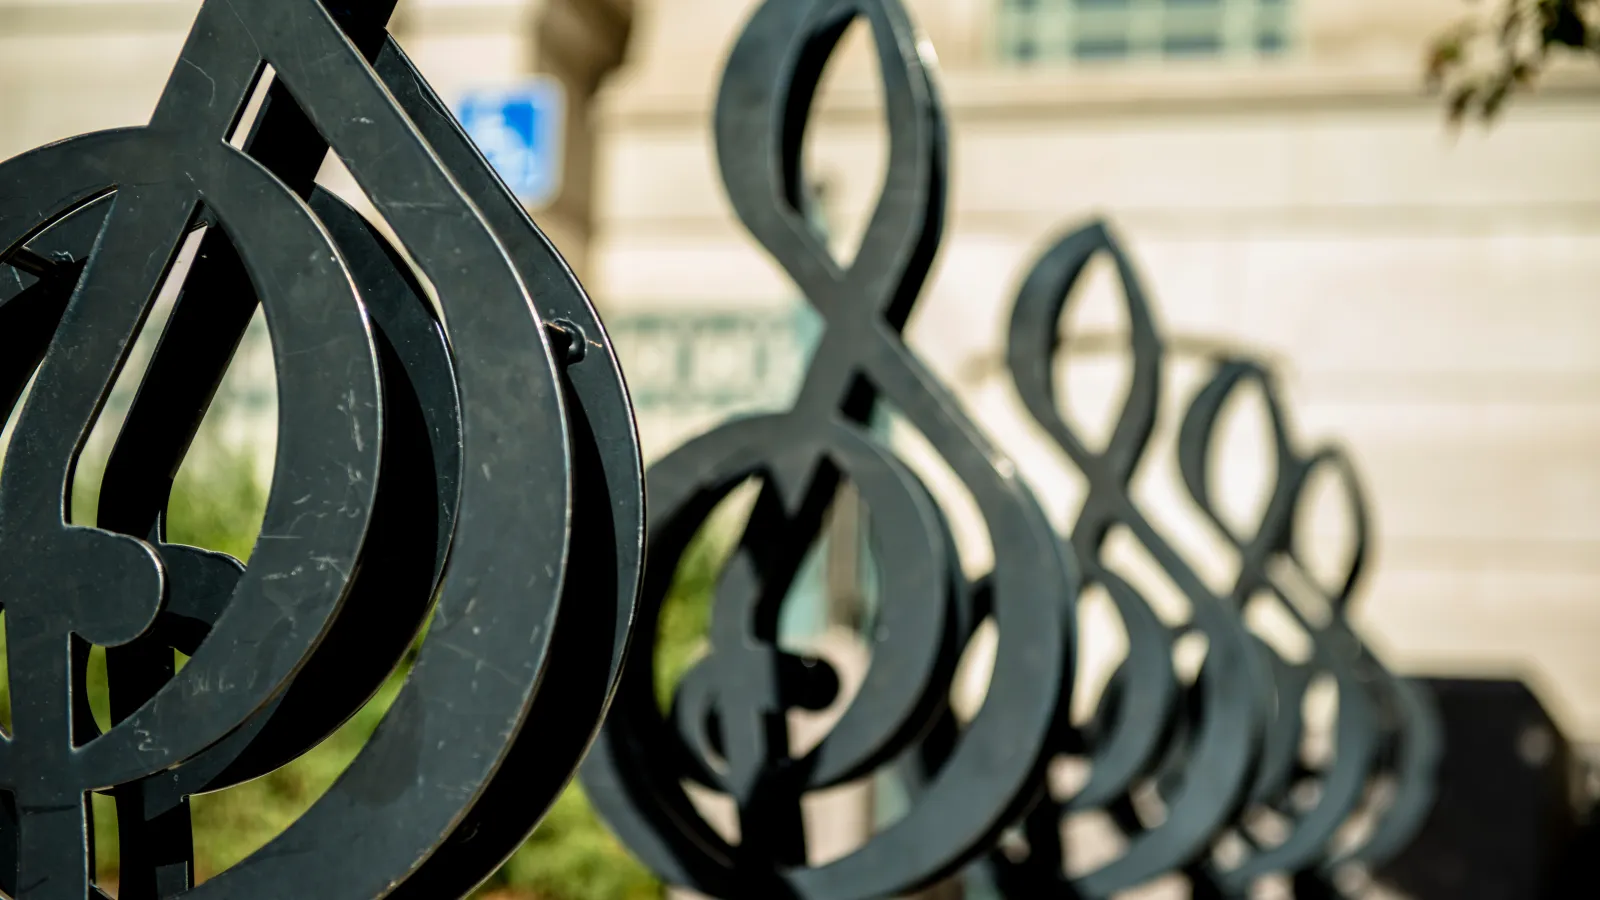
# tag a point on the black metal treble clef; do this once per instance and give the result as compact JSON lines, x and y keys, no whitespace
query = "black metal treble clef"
{"x":403,"y":441}
{"x":1139,"y":708}
{"x":1335,"y":650}
{"x":1384,"y":723}
{"x":1141,"y":729}
{"x":730,"y":731}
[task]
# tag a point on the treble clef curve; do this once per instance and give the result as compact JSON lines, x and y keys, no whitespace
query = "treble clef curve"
{"x":800,"y":456}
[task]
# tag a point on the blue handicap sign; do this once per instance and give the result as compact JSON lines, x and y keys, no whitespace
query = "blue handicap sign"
{"x":519,"y":129}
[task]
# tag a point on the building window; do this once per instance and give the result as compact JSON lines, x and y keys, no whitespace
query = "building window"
{"x":1093,"y":31}
{"x":1191,"y":45}
{"x":1100,"y":48}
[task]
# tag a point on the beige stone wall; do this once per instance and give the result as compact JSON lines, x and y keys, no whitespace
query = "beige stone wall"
{"x":71,"y":66}
{"x":1427,"y":296}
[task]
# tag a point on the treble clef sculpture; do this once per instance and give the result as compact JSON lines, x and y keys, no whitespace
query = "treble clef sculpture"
{"x":1141,"y":712}
{"x":1146,"y":724}
{"x":1378,"y":714}
{"x":729,"y":730}
{"x":1365,"y":691}
{"x":465,"y":459}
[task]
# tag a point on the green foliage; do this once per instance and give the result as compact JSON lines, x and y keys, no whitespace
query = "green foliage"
{"x":686,"y":614}
{"x":217,"y":503}
{"x":230,"y":825}
{"x":1516,"y":40}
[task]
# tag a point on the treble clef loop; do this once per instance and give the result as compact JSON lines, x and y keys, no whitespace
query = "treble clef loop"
{"x":1277,"y":533}
{"x":416,"y":458}
{"x":732,"y":708}
{"x":1379,"y":714}
{"x":1140,"y":710}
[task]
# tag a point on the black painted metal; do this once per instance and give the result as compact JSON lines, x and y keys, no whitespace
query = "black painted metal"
{"x":461,"y":459}
{"x":729,"y":729}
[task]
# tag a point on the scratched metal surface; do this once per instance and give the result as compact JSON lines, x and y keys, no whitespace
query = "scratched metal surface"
{"x":476,"y":471}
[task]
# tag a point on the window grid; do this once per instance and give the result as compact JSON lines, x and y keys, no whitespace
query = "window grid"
{"x":1089,"y":31}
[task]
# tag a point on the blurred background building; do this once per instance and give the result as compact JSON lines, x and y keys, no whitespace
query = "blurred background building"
{"x":1287,"y":185}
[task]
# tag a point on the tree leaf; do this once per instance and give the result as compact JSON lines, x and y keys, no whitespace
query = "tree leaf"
{"x":1495,"y":97}
{"x":1445,"y":55}
{"x":1460,"y":100}
{"x":1564,"y":25}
